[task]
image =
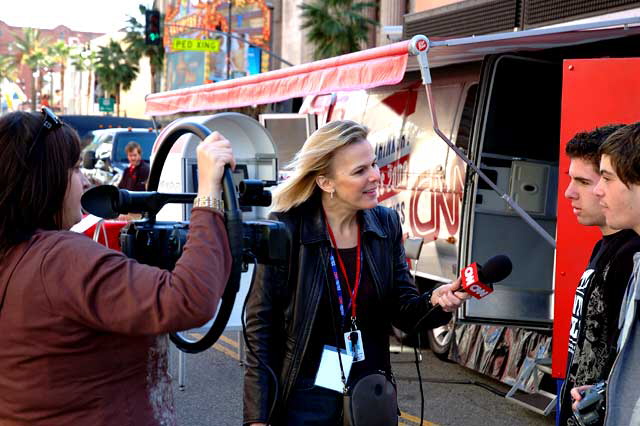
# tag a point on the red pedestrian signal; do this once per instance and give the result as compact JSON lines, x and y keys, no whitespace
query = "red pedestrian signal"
{"x":152,"y":27}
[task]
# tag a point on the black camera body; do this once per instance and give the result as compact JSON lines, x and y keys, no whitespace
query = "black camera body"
{"x":157,"y":244}
{"x":590,"y":409}
{"x":161,"y":243}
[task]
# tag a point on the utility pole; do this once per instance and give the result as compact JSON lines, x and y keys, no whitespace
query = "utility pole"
{"x":229,"y":43}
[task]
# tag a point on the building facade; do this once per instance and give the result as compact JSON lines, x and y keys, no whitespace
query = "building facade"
{"x":197,"y":44}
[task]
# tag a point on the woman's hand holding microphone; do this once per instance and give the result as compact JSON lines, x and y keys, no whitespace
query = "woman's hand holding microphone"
{"x":449,"y":296}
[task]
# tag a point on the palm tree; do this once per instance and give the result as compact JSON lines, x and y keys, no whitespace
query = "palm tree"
{"x":8,"y":67}
{"x":31,"y":52}
{"x":59,"y":53}
{"x":81,"y":61}
{"x":115,"y":70}
{"x":138,"y":48}
{"x":37,"y":62}
{"x":8,"y":70}
{"x":336,"y":27}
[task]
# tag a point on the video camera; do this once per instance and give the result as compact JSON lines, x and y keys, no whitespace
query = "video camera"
{"x":160,"y":243}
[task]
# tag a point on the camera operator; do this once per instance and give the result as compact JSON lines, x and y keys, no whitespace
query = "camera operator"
{"x":347,"y":280}
{"x":598,"y":297}
{"x":81,"y":326}
{"x":619,"y":193}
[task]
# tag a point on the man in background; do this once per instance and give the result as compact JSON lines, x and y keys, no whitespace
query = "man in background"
{"x":135,"y":176}
{"x":599,"y":294}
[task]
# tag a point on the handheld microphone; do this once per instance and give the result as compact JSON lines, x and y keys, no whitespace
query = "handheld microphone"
{"x":477,"y":280}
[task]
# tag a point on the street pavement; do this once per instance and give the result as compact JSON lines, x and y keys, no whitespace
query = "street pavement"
{"x":213,"y":391}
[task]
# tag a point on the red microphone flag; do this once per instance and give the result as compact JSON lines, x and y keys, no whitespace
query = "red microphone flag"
{"x":472,"y":284}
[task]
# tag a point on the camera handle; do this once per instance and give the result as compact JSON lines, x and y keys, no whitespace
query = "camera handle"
{"x":233,"y":223}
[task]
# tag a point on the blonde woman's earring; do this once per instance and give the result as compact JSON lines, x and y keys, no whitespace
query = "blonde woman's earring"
{"x":332,"y":193}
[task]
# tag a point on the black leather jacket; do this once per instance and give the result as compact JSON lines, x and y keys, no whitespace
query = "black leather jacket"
{"x":283,"y":303}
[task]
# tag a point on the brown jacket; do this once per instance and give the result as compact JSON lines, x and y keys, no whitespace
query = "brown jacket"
{"x":80,"y":326}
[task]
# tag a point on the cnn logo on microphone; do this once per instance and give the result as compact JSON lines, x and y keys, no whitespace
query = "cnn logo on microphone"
{"x":472,"y":284}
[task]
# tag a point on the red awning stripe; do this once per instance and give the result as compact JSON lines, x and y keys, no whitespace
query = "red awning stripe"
{"x":360,"y":70}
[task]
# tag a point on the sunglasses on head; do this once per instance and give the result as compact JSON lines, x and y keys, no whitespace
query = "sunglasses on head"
{"x":51,"y":122}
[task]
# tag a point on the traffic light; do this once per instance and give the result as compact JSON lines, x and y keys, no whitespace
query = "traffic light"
{"x":152,"y":27}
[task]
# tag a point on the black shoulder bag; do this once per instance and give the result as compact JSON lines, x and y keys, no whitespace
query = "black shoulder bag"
{"x":371,"y":401}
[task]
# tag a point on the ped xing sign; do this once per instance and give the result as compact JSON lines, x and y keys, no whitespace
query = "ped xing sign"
{"x":190,"y":44}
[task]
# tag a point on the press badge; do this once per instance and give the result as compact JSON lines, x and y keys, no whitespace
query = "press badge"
{"x":329,"y":373}
{"x":353,"y":344}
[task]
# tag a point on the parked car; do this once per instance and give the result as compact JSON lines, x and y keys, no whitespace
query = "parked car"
{"x":86,"y":123}
{"x":104,"y":159}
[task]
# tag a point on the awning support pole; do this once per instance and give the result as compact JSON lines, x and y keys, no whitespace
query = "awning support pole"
{"x":419,"y":47}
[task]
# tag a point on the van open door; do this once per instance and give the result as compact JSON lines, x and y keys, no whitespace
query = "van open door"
{"x":515,"y":143}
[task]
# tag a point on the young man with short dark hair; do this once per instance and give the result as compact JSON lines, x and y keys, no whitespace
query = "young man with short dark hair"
{"x":599,"y":294}
{"x":134,"y":178}
{"x":619,"y":193}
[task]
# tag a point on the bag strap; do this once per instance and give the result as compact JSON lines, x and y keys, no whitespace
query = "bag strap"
{"x":100,"y":226}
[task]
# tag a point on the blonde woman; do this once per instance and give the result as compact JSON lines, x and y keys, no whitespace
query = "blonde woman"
{"x":345,"y":248}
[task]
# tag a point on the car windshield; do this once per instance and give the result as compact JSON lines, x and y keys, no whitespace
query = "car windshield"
{"x":145,"y":140}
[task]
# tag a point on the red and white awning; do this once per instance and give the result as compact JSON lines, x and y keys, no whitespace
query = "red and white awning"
{"x":361,"y":70}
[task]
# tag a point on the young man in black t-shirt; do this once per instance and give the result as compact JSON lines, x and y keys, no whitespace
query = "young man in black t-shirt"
{"x":599,"y":294}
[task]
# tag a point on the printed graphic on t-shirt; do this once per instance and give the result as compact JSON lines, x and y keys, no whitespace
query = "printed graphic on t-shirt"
{"x":594,"y":352}
{"x":578,"y":305}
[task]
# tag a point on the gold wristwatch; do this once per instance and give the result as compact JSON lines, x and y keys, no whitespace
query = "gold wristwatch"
{"x":209,"y":202}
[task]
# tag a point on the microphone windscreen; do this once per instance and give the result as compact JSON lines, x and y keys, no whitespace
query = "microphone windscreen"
{"x":496,"y":269}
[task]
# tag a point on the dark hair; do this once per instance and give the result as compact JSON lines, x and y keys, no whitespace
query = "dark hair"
{"x":585,"y":145}
{"x":33,"y":186}
{"x":623,"y":148}
{"x":131,"y":146}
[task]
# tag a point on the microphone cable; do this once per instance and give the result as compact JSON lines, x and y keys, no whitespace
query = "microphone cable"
{"x":415,"y":350}
{"x":417,"y":362}
{"x":415,"y":353}
{"x":426,"y":295}
{"x":248,"y":345}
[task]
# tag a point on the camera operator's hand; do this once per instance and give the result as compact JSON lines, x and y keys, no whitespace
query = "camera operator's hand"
{"x":577,"y":394}
{"x":449,"y":296}
{"x":213,"y":154}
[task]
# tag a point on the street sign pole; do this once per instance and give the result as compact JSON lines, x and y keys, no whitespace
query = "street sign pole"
{"x":229,"y":43}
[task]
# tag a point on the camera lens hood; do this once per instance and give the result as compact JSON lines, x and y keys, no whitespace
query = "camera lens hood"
{"x":102,"y":201}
